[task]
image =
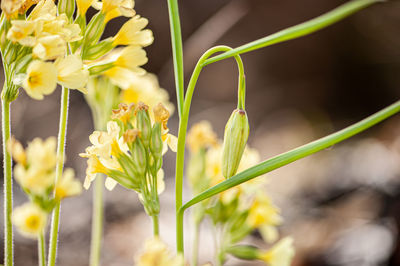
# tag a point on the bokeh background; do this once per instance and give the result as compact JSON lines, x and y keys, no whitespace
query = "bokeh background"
{"x":341,"y":205}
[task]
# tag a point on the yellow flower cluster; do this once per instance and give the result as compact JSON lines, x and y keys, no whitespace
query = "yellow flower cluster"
{"x":36,"y":42}
{"x":156,"y":253}
{"x":130,"y":151}
{"x":241,"y":209}
{"x":35,"y":173}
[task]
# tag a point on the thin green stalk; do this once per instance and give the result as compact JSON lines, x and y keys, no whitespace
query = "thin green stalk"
{"x":41,"y":250}
{"x":299,"y":30}
{"x":97,"y":221}
{"x":196,"y":241}
{"x":7,"y":170}
{"x":295,"y":154}
{"x":177,"y":51}
{"x":55,"y":222}
{"x":183,"y":123}
{"x":156,"y":230}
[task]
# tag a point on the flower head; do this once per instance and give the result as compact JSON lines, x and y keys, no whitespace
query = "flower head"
{"x":67,"y":185}
{"x":30,"y":219}
{"x":133,"y":33}
{"x":41,"y":79}
{"x":71,"y":72}
{"x":280,"y":254}
{"x":156,"y":253}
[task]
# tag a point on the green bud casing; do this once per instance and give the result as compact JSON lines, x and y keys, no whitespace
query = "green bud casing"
{"x":235,"y":139}
{"x":67,"y":7}
{"x":139,"y":157}
{"x":143,"y":123}
{"x":244,"y":252}
{"x":156,"y":143}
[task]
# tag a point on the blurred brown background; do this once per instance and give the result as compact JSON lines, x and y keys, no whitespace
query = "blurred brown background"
{"x":342,"y":205}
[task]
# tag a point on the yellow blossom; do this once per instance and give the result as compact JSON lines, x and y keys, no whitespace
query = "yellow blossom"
{"x":83,"y":6}
{"x":116,"y":8}
{"x":50,"y":47}
{"x":60,"y":26}
{"x":145,"y":88}
{"x":44,"y":10}
{"x":264,"y":216}
{"x":41,"y":79}
{"x":29,"y":219}
{"x":67,"y":185}
{"x":132,"y":33}
{"x":121,"y":76}
{"x":71,"y":73}
{"x":281,"y":254}
{"x":42,"y":154}
{"x":123,"y":113}
{"x":131,"y":57}
{"x":34,"y":179}
{"x":201,"y":135}
{"x":156,"y":253}
{"x":15,"y":148}
{"x":12,"y":7}
{"x":21,"y":30}
{"x":94,"y":167}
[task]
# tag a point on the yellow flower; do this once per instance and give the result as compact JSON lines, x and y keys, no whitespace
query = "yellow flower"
{"x":21,"y":30}
{"x":42,"y":154}
{"x":132,"y":33}
{"x":15,"y":148}
{"x":131,"y":57}
{"x":41,"y":79}
{"x":50,"y":47}
{"x":71,"y":73}
{"x":201,"y":135}
{"x":83,"y":6}
{"x":29,"y":219}
{"x":116,"y":8}
{"x":265,"y":216}
{"x":94,"y":167}
{"x":45,"y":10}
{"x":145,"y":88}
{"x":34,"y":179}
{"x":60,"y":26}
{"x":120,"y":76}
{"x":12,"y":7}
{"x":281,"y":254}
{"x":67,"y":185}
{"x":156,"y":253}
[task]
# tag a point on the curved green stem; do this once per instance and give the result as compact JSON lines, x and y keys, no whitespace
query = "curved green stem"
{"x":177,"y":51}
{"x":183,"y":123}
{"x":41,"y":250}
{"x":55,"y":222}
{"x":97,"y":221}
{"x":294,"y":155}
{"x":299,"y":30}
{"x":7,"y":170}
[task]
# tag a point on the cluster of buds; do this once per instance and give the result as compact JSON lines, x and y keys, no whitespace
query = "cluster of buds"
{"x":48,"y":45}
{"x":241,"y":209}
{"x":131,"y":152}
{"x":35,"y":172}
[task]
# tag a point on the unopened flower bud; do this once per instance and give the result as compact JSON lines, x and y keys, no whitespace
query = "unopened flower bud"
{"x":139,"y":157}
{"x":67,"y":7}
{"x":97,"y":50}
{"x":235,"y":139}
{"x":161,"y":114}
{"x":244,"y":252}
{"x":143,"y":123}
{"x":94,"y":30}
{"x":156,"y":144}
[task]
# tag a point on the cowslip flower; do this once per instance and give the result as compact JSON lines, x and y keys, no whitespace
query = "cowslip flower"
{"x":115,"y":8}
{"x":67,"y":185}
{"x":40,"y":79}
{"x":83,"y":6}
{"x":201,"y":135}
{"x":71,"y":72}
{"x":29,"y":219}
{"x":14,"y":7}
{"x":281,"y":254}
{"x":263,"y":215}
{"x":133,"y":33}
{"x":157,"y":253}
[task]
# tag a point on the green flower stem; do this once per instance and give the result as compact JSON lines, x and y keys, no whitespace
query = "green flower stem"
{"x":177,"y":51}
{"x":196,"y":241}
{"x":156,"y":230}
{"x":299,"y":30}
{"x":7,"y":170}
{"x":295,"y":154}
{"x":97,"y":221}
{"x":182,"y":135}
{"x":41,"y":250}
{"x":55,"y":222}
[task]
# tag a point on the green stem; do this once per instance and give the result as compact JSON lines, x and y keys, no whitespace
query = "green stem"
{"x":97,"y":221}
{"x":59,"y":169}
{"x":196,"y":240}
{"x":177,"y":51}
{"x":295,"y":154}
{"x":7,"y":170}
{"x":299,"y":30}
{"x":182,"y":135}
{"x":41,"y":250}
{"x":156,"y":230}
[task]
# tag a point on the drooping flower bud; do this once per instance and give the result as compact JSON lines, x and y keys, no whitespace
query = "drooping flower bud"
{"x":235,"y":139}
{"x":143,"y":123}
